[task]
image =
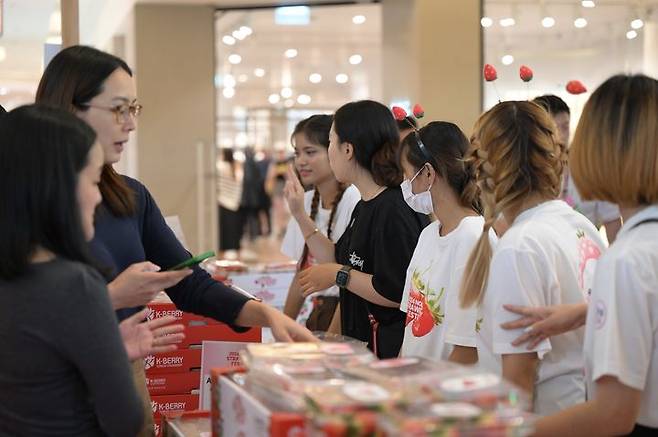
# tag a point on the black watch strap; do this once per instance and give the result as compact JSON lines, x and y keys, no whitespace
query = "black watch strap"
{"x":343,"y":276}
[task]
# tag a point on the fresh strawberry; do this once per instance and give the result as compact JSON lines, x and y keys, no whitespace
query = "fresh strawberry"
{"x":399,"y":113}
{"x":525,"y":73}
{"x":490,"y":73}
{"x":576,"y":87}
{"x":423,"y":324}
{"x":418,"y":111}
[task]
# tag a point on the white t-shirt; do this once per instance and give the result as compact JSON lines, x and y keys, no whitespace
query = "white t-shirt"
{"x":598,"y":212}
{"x":547,"y":257}
{"x":293,"y":240}
{"x":435,"y":322}
{"x":621,"y":333}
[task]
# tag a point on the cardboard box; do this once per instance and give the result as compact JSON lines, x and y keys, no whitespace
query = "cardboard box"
{"x":236,"y":413}
{"x":174,"y":383}
{"x":195,"y":335}
{"x":186,"y":424}
{"x":173,"y":404}
{"x":180,"y":361}
{"x":162,"y":309}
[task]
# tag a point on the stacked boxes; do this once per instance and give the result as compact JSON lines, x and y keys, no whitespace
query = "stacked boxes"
{"x":173,"y":378}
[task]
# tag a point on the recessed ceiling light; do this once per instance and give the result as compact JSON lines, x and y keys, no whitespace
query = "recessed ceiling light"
{"x":580,"y":22}
{"x":229,"y":81}
{"x":4,"y":91}
{"x":303,"y":99}
{"x":637,"y":24}
{"x":631,"y":34}
{"x":548,"y":22}
{"x":356,"y":59}
{"x":587,"y":4}
{"x":228,"y":92}
{"x":358,"y":19}
{"x":234,"y":59}
{"x":228,"y":40}
{"x":290,"y":53}
{"x":238,"y":35}
{"x":259,"y":72}
{"x":486,"y":22}
{"x":342,"y":78}
{"x":315,"y":78}
{"x":274,"y":98}
{"x":286,"y":92}
{"x":507,"y":60}
{"x":242,"y":78}
{"x":246,"y":30}
{"x":507,"y":22}
{"x":289,"y":103}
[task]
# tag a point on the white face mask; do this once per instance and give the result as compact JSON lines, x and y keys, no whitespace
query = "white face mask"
{"x":421,"y":202}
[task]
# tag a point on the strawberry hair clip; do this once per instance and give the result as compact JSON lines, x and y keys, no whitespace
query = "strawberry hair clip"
{"x":418,"y":112}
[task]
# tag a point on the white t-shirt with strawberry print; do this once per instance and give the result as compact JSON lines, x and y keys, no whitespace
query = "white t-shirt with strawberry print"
{"x":547,"y":257}
{"x":435,"y":322}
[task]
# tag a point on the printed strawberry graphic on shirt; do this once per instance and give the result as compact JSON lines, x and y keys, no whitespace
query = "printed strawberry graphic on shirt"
{"x":424,"y":308}
{"x":588,"y":254}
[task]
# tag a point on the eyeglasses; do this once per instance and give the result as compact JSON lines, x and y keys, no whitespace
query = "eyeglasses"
{"x":121,"y":112}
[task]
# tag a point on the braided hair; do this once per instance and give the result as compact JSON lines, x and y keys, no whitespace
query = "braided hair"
{"x":516,"y":153}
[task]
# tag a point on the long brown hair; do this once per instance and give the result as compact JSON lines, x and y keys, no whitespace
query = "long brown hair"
{"x":516,"y":153}
{"x":74,"y":77}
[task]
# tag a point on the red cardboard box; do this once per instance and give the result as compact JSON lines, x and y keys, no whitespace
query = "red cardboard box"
{"x":173,"y":404}
{"x":173,"y":383}
{"x":195,"y":335}
{"x":180,"y":361}
{"x":162,"y":309}
{"x":235,"y":412}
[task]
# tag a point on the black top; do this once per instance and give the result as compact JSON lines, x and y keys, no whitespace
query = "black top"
{"x":63,"y":366}
{"x":380,"y":241}
{"x":144,"y":236}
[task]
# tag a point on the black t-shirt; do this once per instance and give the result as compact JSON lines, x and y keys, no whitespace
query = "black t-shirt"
{"x":380,"y":241}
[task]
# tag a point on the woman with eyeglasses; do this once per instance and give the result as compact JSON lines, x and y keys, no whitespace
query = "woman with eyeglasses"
{"x":131,"y":235}
{"x":438,"y":180}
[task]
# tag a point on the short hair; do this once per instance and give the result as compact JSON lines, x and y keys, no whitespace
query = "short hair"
{"x":370,"y":127}
{"x":553,"y":104}
{"x":43,"y":151}
{"x":71,"y":80}
{"x":614,"y":154}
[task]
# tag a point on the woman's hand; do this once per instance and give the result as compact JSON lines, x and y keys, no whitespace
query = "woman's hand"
{"x":147,"y":338}
{"x":293,"y":191}
{"x":286,"y":329}
{"x":541,"y":323}
{"x":140,"y":283}
{"x":318,"y":278}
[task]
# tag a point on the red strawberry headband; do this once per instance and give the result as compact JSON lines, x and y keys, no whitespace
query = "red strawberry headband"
{"x":574,"y":87}
{"x":418,"y":112}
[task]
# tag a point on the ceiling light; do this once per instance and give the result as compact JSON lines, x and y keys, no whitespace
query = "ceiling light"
{"x":286,"y":93}
{"x":507,"y":60}
{"x":259,"y":72}
{"x":548,"y":22}
{"x":580,"y":22}
{"x":356,"y":59}
{"x":55,"y":39}
{"x":3,"y":91}
{"x":242,"y":78}
{"x":637,"y":24}
{"x":631,"y":34}
{"x":3,"y":53}
{"x":290,"y":53}
{"x":587,"y":3}
{"x":315,"y":78}
{"x":289,"y":103}
{"x":238,"y":35}
{"x":234,"y":59}
{"x":486,"y":22}
{"x":228,"y":40}
{"x":507,"y":22}
{"x":358,"y":19}
{"x":228,"y":92}
{"x":342,"y":78}
{"x":303,"y":99}
{"x":229,"y":81}
{"x":274,"y":98}
{"x":246,"y":30}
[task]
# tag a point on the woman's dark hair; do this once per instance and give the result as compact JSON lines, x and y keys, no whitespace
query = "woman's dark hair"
{"x":43,"y":151}
{"x":553,"y":104}
{"x":74,"y":77}
{"x":316,"y":130}
{"x":448,"y":150}
{"x":370,"y":127}
{"x":407,"y":122}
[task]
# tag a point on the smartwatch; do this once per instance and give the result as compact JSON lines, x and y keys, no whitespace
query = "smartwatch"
{"x":343,"y":276}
